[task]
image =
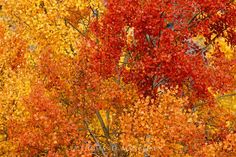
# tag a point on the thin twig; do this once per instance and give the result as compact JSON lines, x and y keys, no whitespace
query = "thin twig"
{"x":104,"y":128}
{"x":73,"y":27}
{"x":94,"y":138}
{"x":226,"y":95}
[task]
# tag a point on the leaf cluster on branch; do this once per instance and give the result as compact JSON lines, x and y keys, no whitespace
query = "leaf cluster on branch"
{"x":117,"y":78}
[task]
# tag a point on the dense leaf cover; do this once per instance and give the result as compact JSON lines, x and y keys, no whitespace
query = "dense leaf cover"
{"x":117,"y":78}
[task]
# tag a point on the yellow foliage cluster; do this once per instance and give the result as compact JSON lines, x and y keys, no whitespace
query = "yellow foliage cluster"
{"x":51,"y":22}
{"x":130,"y":39}
{"x":228,"y":100}
{"x":228,"y":50}
{"x":14,"y":88}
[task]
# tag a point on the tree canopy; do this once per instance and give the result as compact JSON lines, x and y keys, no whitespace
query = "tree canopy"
{"x":117,"y":78}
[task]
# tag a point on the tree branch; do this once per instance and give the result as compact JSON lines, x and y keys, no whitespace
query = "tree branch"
{"x":95,"y":139}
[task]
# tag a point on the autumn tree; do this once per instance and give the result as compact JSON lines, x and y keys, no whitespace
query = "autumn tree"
{"x":50,"y":129}
{"x":155,"y":45}
{"x":164,"y":127}
{"x":32,"y":32}
{"x":160,"y":50}
{"x":117,"y":78}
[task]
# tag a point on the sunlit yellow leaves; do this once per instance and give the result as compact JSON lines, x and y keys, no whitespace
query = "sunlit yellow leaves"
{"x":201,"y":15}
{"x":52,"y":22}
{"x":228,"y":50}
{"x":130,"y":35}
{"x":14,"y":89}
{"x":7,"y":148}
{"x":199,"y":40}
{"x":125,"y":54}
{"x":228,"y":100}
{"x":12,"y":107}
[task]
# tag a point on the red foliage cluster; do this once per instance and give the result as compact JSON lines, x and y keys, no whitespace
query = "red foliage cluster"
{"x":159,"y":53}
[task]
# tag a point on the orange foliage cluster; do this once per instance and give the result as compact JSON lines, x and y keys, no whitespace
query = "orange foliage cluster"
{"x":164,"y":127}
{"x":50,"y":129}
